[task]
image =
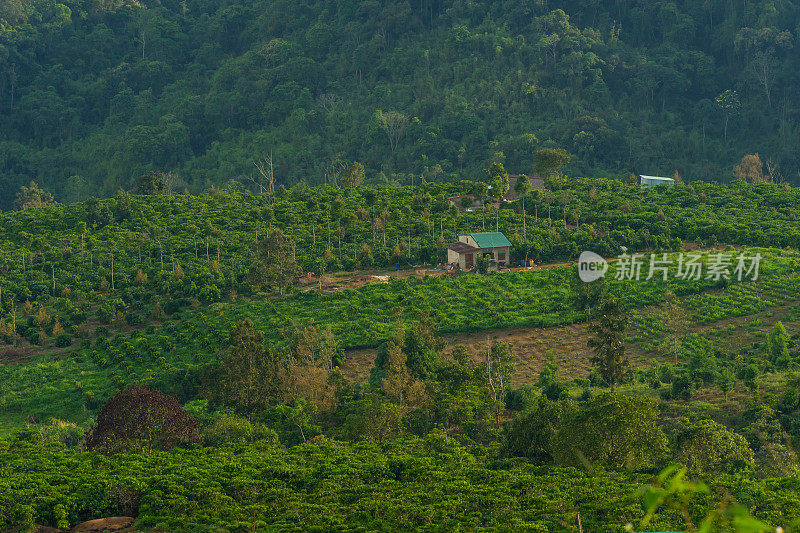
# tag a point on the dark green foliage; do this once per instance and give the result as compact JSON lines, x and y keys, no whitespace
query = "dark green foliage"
{"x":419,"y":345}
{"x":150,"y":183}
{"x":749,"y":375}
{"x":249,"y":375}
{"x":117,"y":90}
{"x":521,"y":398}
{"x":426,"y":483}
{"x":611,"y":431}
{"x":552,"y":388}
{"x":531,"y":432}
{"x":550,"y":161}
{"x":666,"y":373}
{"x":681,"y":387}
{"x":707,"y":447}
{"x":63,"y":340}
{"x":274,"y":265}
{"x":700,"y":353}
{"x":171,"y":88}
{"x":482,"y":265}
{"x":587,"y":295}
{"x":778,"y":346}
{"x":608,"y":342}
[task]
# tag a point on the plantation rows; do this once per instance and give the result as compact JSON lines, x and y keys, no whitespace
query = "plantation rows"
{"x":200,"y":246}
{"x":173,"y":354}
{"x":432,"y":483}
{"x":734,"y":301}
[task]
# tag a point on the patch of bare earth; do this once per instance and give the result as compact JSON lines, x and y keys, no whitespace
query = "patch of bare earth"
{"x":16,"y":354}
{"x":116,"y":524}
{"x":531,"y":347}
{"x":568,"y":345}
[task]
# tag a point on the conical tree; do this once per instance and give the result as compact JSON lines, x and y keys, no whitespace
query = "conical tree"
{"x":608,"y":342}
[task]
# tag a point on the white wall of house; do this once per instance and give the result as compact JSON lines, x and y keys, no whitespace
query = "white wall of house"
{"x":452,"y":257}
{"x":469,"y":240}
{"x":501,"y":255}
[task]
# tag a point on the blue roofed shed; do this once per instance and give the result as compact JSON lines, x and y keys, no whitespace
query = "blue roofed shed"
{"x":648,"y":182}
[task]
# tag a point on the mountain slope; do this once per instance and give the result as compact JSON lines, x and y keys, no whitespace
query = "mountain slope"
{"x":94,"y":94}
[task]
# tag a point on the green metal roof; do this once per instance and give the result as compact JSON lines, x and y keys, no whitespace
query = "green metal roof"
{"x":493,"y":239}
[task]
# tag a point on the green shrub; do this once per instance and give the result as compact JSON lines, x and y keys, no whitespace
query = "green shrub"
{"x":235,"y":430}
{"x":681,"y":387}
{"x":64,"y":340}
{"x":707,"y":447}
{"x":134,"y":319}
{"x":34,"y":337}
{"x":530,"y":434}
{"x":666,"y":373}
{"x":521,"y":398}
{"x":611,"y":430}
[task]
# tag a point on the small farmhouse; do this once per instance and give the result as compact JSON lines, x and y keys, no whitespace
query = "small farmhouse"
{"x":465,"y":252}
{"x":648,"y":182}
{"x":466,"y":203}
{"x":537,"y":184}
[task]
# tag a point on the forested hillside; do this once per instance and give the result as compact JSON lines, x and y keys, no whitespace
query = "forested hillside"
{"x":94,"y":94}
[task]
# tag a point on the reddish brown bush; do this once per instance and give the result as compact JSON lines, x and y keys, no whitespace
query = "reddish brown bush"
{"x":140,"y":419}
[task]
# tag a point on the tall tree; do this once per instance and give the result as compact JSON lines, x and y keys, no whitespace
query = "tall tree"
{"x":550,"y":161}
{"x":674,"y":316}
{"x":730,"y":105}
{"x":151,"y":183}
{"x":608,"y":342}
{"x":274,"y":265}
{"x":587,"y":294}
{"x":398,"y":383}
{"x":522,"y":187}
{"x":32,"y":197}
{"x":353,"y":176}
{"x":250,"y":375}
{"x":499,"y":361}
{"x":750,"y":169}
{"x":778,"y":345}
{"x":394,"y":124}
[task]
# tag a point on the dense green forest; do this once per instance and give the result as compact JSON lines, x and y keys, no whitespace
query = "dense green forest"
{"x":94,"y":94}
